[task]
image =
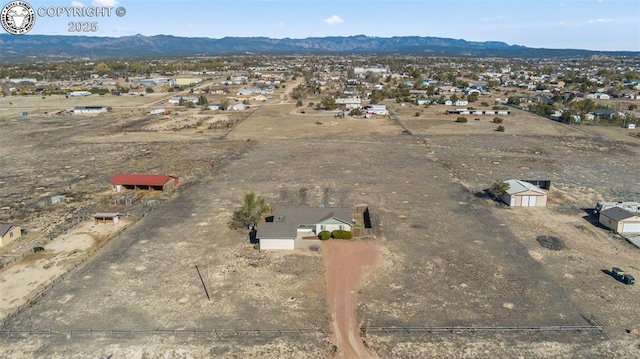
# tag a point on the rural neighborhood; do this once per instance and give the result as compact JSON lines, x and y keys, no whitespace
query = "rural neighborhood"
{"x":324,"y":206}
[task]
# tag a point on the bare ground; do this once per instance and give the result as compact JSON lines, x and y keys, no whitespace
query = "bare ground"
{"x":446,"y":254}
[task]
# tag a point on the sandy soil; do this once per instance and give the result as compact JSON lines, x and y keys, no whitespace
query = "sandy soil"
{"x":23,"y":280}
{"x":345,"y":261}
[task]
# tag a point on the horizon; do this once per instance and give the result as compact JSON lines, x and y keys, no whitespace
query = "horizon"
{"x":596,"y":25}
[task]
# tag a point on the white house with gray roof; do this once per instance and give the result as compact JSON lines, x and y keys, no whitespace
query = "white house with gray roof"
{"x":524,"y":194}
{"x":298,"y":227}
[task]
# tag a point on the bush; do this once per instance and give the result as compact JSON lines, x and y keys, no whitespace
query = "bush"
{"x":500,"y":129}
{"x":497,"y":120}
{"x":417,"y":114}
{"x":324,"y":235}
{"x":461,"y":119}
{"x":339,"y":234}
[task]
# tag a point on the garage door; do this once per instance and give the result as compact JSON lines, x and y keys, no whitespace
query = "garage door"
{"x":631,"y":228}
{"x":271,"y":243}
{"x":525,"y":201}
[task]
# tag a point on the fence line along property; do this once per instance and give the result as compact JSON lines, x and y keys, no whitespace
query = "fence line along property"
{"x":594,"y":325}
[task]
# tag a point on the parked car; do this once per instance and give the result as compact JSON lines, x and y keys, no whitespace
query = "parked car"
{"x":620,"y":275}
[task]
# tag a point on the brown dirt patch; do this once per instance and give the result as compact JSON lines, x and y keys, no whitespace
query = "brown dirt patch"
{"x":345,"y":261}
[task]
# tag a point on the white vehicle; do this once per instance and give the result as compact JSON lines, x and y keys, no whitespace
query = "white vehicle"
{"x":629,"y":206}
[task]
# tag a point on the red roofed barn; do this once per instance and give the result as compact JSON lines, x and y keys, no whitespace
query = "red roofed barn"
{"x":144,"y":182}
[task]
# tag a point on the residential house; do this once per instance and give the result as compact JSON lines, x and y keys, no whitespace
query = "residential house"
{"x":182,"y":100}
{"x":603,"y":113}
{"x":9,"y":233}
{"x":187,"y":81}
{"x":379,"y":110}
{"x":298,"y":227}
{"x":87,"y":110}
{"x":349,"y":103}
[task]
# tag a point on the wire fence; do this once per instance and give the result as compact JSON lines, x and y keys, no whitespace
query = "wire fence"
{"x":594,"y":325}
{"x":134,"y":332}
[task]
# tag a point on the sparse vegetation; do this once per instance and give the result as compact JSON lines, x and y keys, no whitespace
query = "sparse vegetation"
{"x":249,"y":213}
{"x":500,"y":129}
{"x":497,"y":120}
{"x":339,"y":234}
{"x":498,"y":188}
{"x":461,"y":119}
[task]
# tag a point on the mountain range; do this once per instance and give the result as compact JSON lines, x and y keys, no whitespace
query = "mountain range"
{"x":52,"y":47}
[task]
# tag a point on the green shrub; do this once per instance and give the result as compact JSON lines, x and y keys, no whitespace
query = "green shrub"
{"x":417,"y":114}
{"x":461,"y":119}
{"x":497,"y":120}
{"x":500,"y":129}
{"x":324,"y":235}
{"x":339,"y":234}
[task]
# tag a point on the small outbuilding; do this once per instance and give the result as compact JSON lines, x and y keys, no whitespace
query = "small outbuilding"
{"x":9,"y":233}
{"x":620,"y":220}
{"x":143,"y":182}
{"x":524,"y":194}
{"x":106,"y":218}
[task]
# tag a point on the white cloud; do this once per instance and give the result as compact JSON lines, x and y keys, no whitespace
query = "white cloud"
{"x":105,"y":3}
{"x":77,"y":4}
{"x":599,"y":21}
{"x":280,"y":24}
{"x":334,"y":19}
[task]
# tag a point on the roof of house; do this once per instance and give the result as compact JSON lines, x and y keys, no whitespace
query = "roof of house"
{"x":517,"y":186}
{"x":604,"y":111}
{"x":277,"y":230}
{"x":287,"y":219}
{"x":311,"y":215}
{"x":618,"y":214}
{"x":140,"y":180}
{"x":4,"y":228}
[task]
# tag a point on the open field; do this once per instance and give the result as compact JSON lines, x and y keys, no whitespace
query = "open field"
{"x":447,"y":255}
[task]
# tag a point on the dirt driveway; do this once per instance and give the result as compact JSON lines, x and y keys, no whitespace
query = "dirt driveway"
{"x":345,"y":261}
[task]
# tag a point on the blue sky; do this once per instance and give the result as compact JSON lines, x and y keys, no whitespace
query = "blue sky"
{"x":578,"y":24}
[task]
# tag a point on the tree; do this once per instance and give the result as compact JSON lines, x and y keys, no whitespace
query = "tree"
{"x":249,"y":213}
{"x":329,"y":103}
{"x":149,"y":90}
{"x":498,"y":188}
{"x":377,"y":96}
{"x":224,"y":104}
{"x":299,"y":103}
{"x":202,"y":100}
{"x":513,"y":100}
{"x":101,"y":68}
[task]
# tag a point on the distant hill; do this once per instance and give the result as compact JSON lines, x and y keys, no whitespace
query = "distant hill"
{"x":51,"y":47}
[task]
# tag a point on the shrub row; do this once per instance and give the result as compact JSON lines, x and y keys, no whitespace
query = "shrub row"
{"x":337,"y":234}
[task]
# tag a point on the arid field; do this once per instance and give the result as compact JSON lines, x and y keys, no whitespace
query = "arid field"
{"x":447,"y":255}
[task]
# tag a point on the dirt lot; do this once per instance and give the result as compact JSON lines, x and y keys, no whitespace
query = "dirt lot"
{"x":446,"y":254}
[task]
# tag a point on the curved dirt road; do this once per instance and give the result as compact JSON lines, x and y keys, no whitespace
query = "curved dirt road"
{"x":345,"y":261}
